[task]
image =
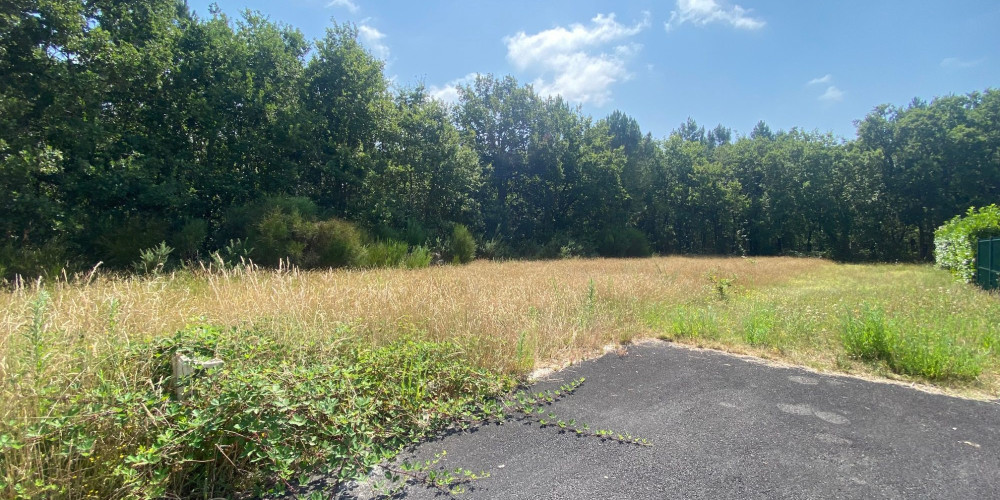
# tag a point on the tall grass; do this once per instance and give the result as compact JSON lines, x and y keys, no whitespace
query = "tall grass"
{"x":67,"y":344}
{"x":931,"y":351}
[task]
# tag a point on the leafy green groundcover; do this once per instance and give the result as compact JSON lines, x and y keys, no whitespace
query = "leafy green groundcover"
{"x":273,"y":414}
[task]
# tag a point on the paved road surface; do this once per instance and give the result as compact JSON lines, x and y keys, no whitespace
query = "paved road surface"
{"x":728,"y":427}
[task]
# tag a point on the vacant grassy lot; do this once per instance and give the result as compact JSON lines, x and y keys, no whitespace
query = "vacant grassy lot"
{"x":85,"y":411}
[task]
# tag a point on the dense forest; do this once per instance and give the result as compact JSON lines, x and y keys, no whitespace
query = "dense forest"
{"x":127,"y":124}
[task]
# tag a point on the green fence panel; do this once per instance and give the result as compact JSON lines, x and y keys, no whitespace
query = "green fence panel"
{"x":988,"y":263}
{"x":994,"y":263}
{"x":982,"y":271}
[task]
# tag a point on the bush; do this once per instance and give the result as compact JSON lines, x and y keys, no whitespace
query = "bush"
{"x":495,"y":248}
{"x":281,"y":235}
{"x":287,"y":228}
{"x":419,"y":257}
{"x":462,"y":246}
{"x":234,"y":253}
{"x":956,"y":241}
{"x":627,"y":242}
{"x":386,"y":254}
{"x":336,"y":243}
{"x":241,"y":222}
{"x":153,"y":260}
{"x":415,"y":233}
{"x":564,"y":246}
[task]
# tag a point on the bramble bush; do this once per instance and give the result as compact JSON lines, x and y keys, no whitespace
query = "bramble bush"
{"x":273,"y":415}
{"x":955,"y":242}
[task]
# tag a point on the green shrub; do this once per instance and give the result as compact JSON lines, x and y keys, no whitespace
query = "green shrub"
{"x":564,"y":246}
{"x":415,"y":233}
{"x":241,"y":222}
{"x":626,"y":242}
{"x":233,"y":253}
{"x":280,"y":235}
{"x":336,"y":243}
{"x":419,"y":257}
{"x":153,"y":260}
{"x":386,"y":254}
{"x":495,"y":248}
{"x":287,"y":228}
{"x":955,"y":242}
{"x":461,"y":246}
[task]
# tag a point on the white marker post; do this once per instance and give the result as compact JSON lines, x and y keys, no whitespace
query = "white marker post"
{"x":185,"y":368}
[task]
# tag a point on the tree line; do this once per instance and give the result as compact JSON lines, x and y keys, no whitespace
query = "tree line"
{"x":128,"y":124}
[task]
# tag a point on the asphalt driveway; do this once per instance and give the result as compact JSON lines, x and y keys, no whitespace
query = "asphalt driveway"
{"x":724,"y":426}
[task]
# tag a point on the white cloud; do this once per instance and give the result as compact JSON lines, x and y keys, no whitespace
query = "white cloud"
{"x":702,"y":12}
{"x":570,"y":62}
{"x":827,"y":78}
{"x":347,"y":4}
{"x":832,"y":94}
{"x":449,"y":92}
{"x":956,"y":63}
{"x":374,"y":40}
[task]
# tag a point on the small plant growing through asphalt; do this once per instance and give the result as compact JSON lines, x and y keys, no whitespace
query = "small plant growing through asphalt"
{"x":534,"y":407}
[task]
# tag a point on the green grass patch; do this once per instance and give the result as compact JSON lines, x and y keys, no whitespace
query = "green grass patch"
{"x":758,"y":327}
{"x":908,"y":320}
{"x":911,"y":347}
{"x":685,"y":322}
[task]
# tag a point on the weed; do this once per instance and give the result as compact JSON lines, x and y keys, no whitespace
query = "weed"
{"x":273,"y":413}
{"x":525,"y":354}
{"x":909,"y":349}
{"x":153,"y":260}
{"x":869,"y":335}
{"x":35,"y":335}
{"x":535,"y":407}
{"x":693,"y":322}
{"x":758,"y":326}
{"x":720,"y":284}
{"x":589,"y":305}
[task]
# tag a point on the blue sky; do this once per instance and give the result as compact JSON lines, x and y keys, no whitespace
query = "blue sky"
{"x":816,"y":65}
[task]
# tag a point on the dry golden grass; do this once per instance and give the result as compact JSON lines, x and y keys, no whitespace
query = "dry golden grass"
{"x":546,"y":308}
{"x":60,"y":340}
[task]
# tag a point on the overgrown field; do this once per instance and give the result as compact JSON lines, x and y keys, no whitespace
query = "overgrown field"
{"x":335,"y":371}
